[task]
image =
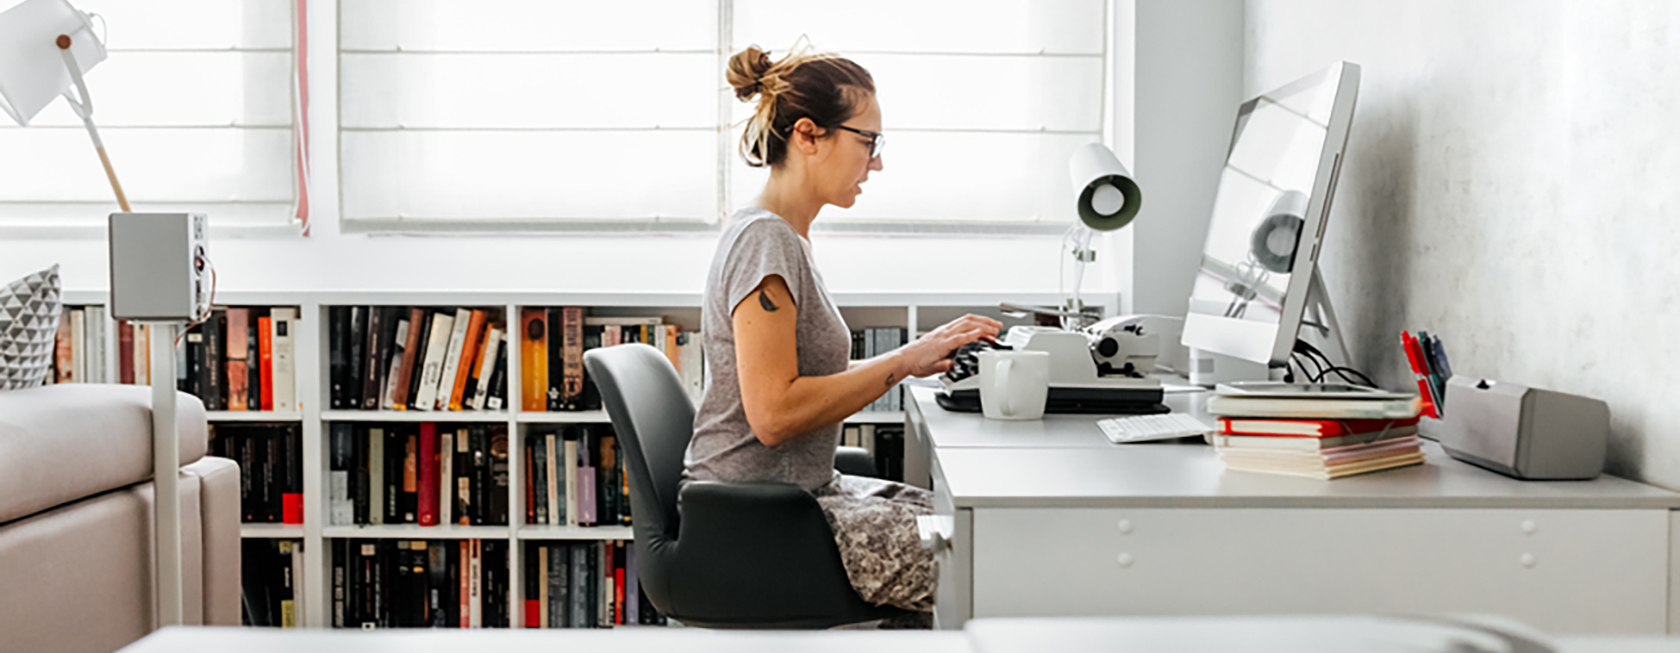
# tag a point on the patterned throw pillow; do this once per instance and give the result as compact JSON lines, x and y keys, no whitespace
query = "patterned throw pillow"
{"x":29,"y":309}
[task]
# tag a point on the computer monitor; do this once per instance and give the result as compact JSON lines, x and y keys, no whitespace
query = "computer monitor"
{"x":1258,"y":271}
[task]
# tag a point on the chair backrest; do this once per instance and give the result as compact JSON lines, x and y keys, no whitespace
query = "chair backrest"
{"x":653,"y":420}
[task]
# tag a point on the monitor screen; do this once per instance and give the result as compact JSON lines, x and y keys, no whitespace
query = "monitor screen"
{"x":1250,"y":286}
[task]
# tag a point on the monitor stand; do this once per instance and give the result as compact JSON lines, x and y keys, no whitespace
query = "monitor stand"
{"x":1321,"y":317}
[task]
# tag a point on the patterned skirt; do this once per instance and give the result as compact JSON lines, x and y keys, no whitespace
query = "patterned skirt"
{"x":874,"y":524}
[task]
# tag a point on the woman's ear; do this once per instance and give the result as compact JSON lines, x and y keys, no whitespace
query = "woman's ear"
{"x":804,"y":136}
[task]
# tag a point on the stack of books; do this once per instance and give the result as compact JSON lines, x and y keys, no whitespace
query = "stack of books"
{"x":1316,"y":438}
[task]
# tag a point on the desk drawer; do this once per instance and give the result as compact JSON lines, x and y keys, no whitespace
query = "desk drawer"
{"x":1566,"y":571}
{"x":953,"y":598}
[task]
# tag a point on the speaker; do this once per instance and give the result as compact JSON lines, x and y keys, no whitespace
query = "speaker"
{"x":1524,"y":432}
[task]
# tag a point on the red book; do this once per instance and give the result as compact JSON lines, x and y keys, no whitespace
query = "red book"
{"x":428,"y":474}
{"x":618,"y":585}
{"x":125,"y":352}
{"x":533,"y":613}
{"x":291,"y":508}
{"x":265,"y":359}
{"x":238,"y":352}
{"x":1308,"y":428}
{"x":1414,"y":356}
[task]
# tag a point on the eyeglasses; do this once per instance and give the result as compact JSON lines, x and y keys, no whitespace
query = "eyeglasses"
{"x":877,"y":140}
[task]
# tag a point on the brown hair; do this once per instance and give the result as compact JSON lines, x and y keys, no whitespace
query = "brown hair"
{"x":802,"y":85}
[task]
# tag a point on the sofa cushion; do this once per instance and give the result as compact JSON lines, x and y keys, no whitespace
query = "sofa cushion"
{"x":29,"y":309}
{"x":62,"y":443}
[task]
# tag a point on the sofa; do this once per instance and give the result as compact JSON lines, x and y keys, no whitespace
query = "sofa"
{"x":76,"y":519}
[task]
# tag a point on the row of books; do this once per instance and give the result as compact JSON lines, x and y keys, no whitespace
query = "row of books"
{"x":79,"y":347}
{"x":418,"y":473}
{"x":584,"y":585}
{"x":1322,"y":438}
{"x":869,"y":343}
{"x":552,"y":342}
{"x":884,"y":442}
{"x":240,"y":359}
{"x":270,"y":458}
{"x":271,"y":582}
{"x":420,"y":584}
{"x":414,"y":358}
{"x":574,"y":476}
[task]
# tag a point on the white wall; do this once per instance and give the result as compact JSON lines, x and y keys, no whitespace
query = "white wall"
{"x":1511,"y":186}
{"x":1186,"y":73}
{"x":329,"y":260}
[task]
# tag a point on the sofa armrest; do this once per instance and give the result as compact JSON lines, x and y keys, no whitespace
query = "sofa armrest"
{"x":855,"y":461}
{"x":219,"y":523}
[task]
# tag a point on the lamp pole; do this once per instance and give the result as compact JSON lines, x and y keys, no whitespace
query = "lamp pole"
{"x":166,"y":464}
{"x":84,"y":110}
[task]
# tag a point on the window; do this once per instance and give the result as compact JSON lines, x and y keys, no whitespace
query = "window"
{"x":194,"y":104}
{"x":527,"y":114}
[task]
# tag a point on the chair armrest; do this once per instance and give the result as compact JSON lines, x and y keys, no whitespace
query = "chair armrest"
{"x":776,"y":530}
{"x":855,"y":461}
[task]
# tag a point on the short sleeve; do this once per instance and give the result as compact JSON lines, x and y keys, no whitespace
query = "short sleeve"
{"x":765,"y":247}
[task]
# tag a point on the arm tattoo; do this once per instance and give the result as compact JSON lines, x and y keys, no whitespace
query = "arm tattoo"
{"x":889,"y":381}
{"x":764,"y":301}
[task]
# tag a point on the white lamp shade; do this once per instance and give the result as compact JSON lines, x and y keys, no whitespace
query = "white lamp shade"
{"x":32,"y":72}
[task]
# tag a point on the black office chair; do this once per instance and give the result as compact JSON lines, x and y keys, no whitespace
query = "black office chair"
{"x":719,"y":555}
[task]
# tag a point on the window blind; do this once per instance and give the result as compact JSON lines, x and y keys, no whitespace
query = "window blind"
{"x":983,"y":101}
{"x":194,"y":105}
{"x":511,"y":113}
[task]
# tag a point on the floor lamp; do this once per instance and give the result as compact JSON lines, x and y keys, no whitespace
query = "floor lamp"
{"x":45,"y":47}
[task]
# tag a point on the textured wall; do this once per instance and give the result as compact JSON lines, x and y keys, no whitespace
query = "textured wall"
{"x":1513,"y":185}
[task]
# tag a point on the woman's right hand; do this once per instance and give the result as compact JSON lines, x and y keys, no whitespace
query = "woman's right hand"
{"x":931,"y":353}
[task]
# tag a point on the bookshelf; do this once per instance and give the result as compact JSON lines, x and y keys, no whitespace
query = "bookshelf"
{"x":915,"y":312}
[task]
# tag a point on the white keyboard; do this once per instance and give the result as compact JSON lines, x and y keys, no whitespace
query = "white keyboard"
{"x":1142,"y":428}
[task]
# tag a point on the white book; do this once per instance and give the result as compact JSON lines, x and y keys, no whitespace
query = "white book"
{"x":376,"y":475}
{"x":452,"y":361}
{"x":388,"y":398}
{"x":463,"y":485}
{"x":342,"y":505}
{"x":97,"y":360}
{"x":436,"y":342}
{"x":299,"y":593}
{"x":570,"y":451}
{"x":477,"y":612}
{"x":603,"y":608}
{"x":78,"y":346}
{"x":142,"y":354}
{"x":283,"y":321}
{"x":446,"y":478}
{"x":486,"y":366}
{"x":556,"y":512}
{"x":866,"y":437}
{"x":590,"y":320}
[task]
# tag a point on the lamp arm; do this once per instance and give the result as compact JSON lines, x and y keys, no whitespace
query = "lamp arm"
{"x":84,"y":110}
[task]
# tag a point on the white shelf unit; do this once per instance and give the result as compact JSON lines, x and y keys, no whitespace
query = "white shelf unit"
{"x":916,"y":311}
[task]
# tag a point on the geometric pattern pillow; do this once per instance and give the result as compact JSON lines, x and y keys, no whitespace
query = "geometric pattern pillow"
{"x":29,"y":309}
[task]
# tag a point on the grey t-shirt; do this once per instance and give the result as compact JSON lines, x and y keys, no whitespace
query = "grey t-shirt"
{"x":758,"y":244}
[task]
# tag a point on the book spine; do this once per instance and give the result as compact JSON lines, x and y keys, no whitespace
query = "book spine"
{"x":497,"y":486}
{"x":428,"y":483}
{"x":470,"y":346}
{"x":452,"y":360}
{"x":267,"y":458}
{"x":578,"y":574}
{"x":536,"y":589}
{"x":400,"y":392}
{"x":437,"y":568}
{"x":569,"y":462}
{"x":446,"y":478}
{"x":633,"y":590}
{"x":498,"y":379}
{"x":437,"y":345}
{"x":238,"y":351}
{"x":409,"y":506}
{"x":484,"y":368}
{"x":559,"y":585}
{"x":479,"y":475}
{"x":285,"y":370}
{"x":533,"y":339}
{"x":338,"y":327}
{"x":211,"y":367}
{"x":463,"y":477}
{"x":533,"y":453}
{"x":291,"y":498}
{"x":369,"y":362}
{"x":362,"y":475}
{"x":343,"y":510}
{"x":64,"y":360}
{"x":393,"y":476}
{"x":340,"y":582}
{"x":376,"y":475}
{"x":125,"y":352}
{"x":463,"y":586}
{"x":543,"y":492}
{"x":554,"y":394}
{"x":572,"y":378}
{"x":393,"y":372}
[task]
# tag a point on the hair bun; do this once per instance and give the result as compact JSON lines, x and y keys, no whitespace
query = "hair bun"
{"x":746,"y":71}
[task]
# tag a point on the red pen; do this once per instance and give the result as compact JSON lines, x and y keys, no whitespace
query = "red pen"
{"x":1414,"y":355}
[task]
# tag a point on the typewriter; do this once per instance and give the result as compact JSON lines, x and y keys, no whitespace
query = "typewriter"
{"x":1075,"y":384}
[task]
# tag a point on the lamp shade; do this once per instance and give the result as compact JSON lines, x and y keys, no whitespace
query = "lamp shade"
{"x":1107,"y":197}
{"x":32,"y":71}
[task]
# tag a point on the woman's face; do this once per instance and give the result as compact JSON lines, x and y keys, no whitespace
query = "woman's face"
{"x":840,"y":172}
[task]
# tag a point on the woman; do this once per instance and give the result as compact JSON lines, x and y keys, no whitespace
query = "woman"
{"x":781,"y":378}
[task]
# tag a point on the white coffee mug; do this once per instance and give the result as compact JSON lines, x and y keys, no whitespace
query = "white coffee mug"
{"x":1013,"y":384}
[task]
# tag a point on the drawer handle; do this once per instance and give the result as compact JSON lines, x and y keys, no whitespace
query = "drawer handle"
{"x":933,"y":536}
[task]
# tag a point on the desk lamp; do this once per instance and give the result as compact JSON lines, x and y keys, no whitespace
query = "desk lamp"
{"x":45,"y":48}
{"x":1107,"y":199}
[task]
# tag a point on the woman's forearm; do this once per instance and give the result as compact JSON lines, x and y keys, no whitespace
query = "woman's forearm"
{"x":807,"y":403}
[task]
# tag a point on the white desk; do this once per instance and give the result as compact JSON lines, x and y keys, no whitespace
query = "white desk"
{"x":1049,"y":519}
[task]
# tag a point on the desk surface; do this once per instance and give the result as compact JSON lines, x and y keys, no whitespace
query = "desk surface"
{"x":1064,"y":461}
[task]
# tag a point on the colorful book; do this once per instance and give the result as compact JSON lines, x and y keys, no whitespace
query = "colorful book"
{"x":470,"y":344}
{"x":1298,"y":408}
{"x":533,"y":360}
{"x":411,"y":350}
{"x":1312,"y":428}
{"x":284,"y":321}
{"x":571,"y":333}
{"x":1309,"y":443}
{"x":428,"y":482}
{"x":238,"y":351}
{"x":437,"y":345}
{"x":265,"y":359}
